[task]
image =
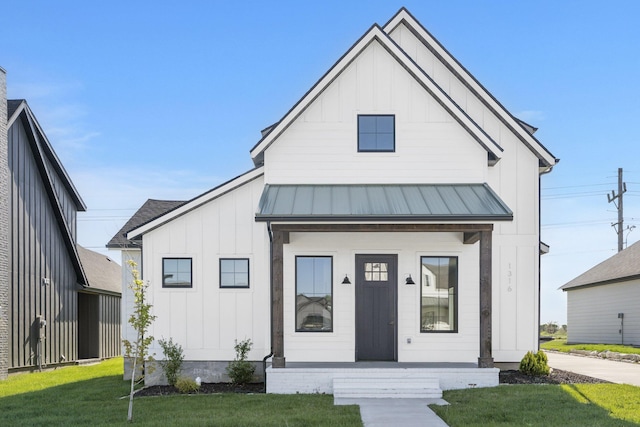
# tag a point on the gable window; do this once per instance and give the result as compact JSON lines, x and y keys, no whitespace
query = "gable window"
{"x":176,"y":273}
{"x":234,"y":272}
{"x":314,"y":294}
{"x":376,"y":133}
{"x":439,"y":294}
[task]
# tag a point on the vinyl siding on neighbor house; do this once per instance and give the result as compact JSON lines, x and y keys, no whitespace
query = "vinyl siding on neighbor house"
{"x":592,"y":313}
{"x":37,"y":251}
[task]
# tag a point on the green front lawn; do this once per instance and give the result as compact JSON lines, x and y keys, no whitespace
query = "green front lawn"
{"x":93,"y":395}
{"x":561,"y":345}
{"x":543,"y":405}
{"x":97,"y":395}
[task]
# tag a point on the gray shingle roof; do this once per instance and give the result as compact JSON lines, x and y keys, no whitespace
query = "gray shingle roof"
{"x":102,"y":272}
{"x":398,"y":202}
{"x":622,"y":266}
{"x":150,"y":210}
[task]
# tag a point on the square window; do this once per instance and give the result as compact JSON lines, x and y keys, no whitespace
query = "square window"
{"x":176,"y":273}
{"x":376,"y":133}
{"x":234,"y":272}
{"x":314,"y":294}
{"x":439,"y":294}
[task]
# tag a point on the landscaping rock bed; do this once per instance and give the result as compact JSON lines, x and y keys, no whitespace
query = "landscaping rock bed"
{"x":557,"y":376}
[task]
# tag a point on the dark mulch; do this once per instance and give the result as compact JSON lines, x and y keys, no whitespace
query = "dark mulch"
{"x":205,"y":388}
{"x":556,"y":377}
{"x":506,"y":377}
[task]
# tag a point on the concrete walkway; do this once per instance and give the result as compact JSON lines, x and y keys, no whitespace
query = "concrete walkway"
{"x":609,"y":370}
{"x":396,"y":412}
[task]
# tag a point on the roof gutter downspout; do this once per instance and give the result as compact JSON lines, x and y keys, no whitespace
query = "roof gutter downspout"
{"x":539,"y":254}
{"x":264,"y":359}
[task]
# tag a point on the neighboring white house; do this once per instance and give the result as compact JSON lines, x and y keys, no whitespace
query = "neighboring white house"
{"x":603,"y":303}
{"x":392,"y":215}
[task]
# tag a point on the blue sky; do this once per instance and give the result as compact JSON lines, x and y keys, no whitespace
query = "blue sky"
{"x":161,"y":99}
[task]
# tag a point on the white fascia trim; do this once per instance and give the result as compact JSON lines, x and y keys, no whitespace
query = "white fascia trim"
{"x":377,"y":34}
{"x":198,"y":201}
{"x":468,"y":80}
{"x":16,"y":114}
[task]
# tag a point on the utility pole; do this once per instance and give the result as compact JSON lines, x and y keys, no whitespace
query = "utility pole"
{"x":619,"y":226}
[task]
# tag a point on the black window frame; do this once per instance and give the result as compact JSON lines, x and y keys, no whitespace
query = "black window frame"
{"x":248,"y":273}
{"x":360,"y":133}
{"x":169,"y":286}
{"x":297,"y":329}
{"x":455,"y":296}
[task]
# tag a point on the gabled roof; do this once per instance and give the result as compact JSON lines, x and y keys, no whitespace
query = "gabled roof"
{"x":377,"y":34}
{"x":382,"y":202}
{"x":104,"y":274}
{"x":625,"y":265}
{"x":522,"y":130}
{"x":18,"y":108}
{"x":151,"y":209}
{"x":196,"y":202}
{"x":43,"y":152}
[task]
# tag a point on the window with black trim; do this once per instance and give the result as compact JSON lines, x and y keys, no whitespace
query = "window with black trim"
{"x":234,"y":272}
{"x":439,"y":294}
{"x":314,"y":294}
{"x":377,"y":133}
{"x":176,"y":273}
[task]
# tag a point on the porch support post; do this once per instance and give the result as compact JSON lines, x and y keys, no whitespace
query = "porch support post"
{"x":486,"y":359}
{"x":277,"y":312}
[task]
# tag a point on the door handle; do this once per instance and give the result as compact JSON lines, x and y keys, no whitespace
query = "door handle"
{"x":392,"y":322}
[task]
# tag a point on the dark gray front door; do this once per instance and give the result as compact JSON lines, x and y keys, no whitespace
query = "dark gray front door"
{"x":376,"y":290}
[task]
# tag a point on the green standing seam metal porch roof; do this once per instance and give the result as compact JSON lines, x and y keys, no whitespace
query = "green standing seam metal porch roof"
{"x":382,"y":202}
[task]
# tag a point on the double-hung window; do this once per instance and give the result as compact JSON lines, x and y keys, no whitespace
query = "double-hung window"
{"x":314,"y":294}
{"x":376,"y":133}
{"x":439,"y":294}
{"x":176,"y":273}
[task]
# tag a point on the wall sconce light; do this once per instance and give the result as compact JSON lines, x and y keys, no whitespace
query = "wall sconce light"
{"x":346,"y":280}
{"x":409,"y":281}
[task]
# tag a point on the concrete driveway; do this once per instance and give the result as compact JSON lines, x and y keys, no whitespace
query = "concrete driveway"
{"x":616,"y":372}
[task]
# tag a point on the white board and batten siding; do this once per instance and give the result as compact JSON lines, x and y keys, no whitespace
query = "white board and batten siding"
{"x":339,"y":345}
{"x":320,"y":146}
{"x":205,"y":319}
{"x":593,"y":313}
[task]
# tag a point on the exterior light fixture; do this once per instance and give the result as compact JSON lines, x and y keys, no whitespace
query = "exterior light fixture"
{"x":409,"y":281}
{"x":346,"y":280}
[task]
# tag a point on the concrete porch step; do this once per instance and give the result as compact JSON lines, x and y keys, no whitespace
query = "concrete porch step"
{"x":386,"y":387}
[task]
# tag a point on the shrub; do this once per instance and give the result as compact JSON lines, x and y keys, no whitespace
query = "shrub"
{"x":173,"y":360}
{"x":241,"y":370}
{"x":534,"y":364}
{"x":187,"y":385}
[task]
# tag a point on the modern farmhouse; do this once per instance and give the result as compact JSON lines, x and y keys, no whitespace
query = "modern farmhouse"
{"x":391,"y":221}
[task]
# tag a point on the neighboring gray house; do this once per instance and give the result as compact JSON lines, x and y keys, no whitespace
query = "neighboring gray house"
{"x":603,"y":303}
{"x":99,"y":313}
{"x":41,"y":270}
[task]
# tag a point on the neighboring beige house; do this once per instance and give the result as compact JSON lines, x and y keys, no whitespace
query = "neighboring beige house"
{"x":392,"y":216}
{"x":603,"y":303}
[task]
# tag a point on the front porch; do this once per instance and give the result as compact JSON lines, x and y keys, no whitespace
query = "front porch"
{"x":378,"y":379}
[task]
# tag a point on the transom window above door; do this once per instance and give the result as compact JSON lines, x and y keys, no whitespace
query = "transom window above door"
{"x":377,"y":133}
{"x":376,"y":271}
